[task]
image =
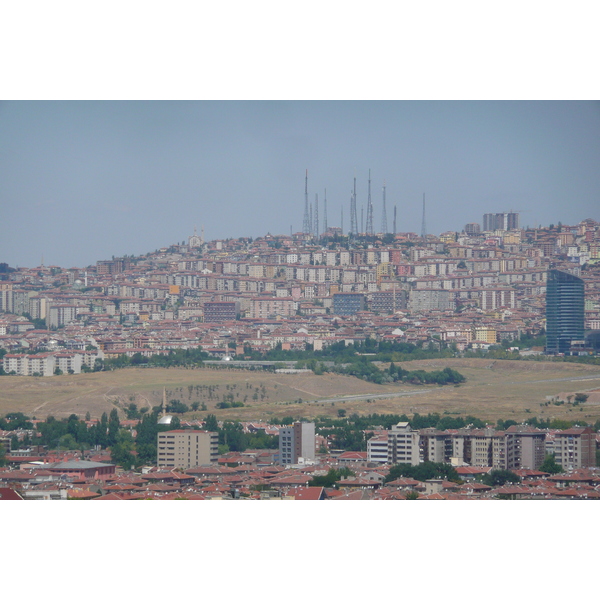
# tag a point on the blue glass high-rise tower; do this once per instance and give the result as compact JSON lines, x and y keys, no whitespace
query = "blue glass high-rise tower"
{"x":564,"y":311}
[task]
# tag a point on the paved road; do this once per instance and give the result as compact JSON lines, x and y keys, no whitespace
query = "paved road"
{"x":580,"y":378}
{"x":370,"y":396}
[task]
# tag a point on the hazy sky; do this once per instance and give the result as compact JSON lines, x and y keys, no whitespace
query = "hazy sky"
{"x":82,"y":181}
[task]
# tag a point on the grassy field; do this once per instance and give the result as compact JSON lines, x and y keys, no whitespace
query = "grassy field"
{"x":493,"y":390}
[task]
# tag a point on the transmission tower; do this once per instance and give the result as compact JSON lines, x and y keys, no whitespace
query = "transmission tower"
{"x":316,"y":215}
{"x":383,"y":214}
{"x":310,"y":226}
{"x":369,"y":230}
{"x":325,"y":212}
{"x":353,"y":218}
{"x":306,"y":224}
{"x":423,"y":228}
{"x":395,"y":220}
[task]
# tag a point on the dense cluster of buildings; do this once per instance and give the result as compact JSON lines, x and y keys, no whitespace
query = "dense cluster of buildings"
{"x":518,"y":447}
{"x":469,"y":289}
{"x":259,"y":474}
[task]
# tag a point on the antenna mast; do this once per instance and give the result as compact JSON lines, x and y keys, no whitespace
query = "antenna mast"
{"x":316,"y":215}
{"x":325,"y":211}
{"x":369,"y":210}
{"x":306,"y":224}
{"x":384,"y":215}
{"x":423,"y":228}
{"x":395,"y":220}
{"x":353,"y":219}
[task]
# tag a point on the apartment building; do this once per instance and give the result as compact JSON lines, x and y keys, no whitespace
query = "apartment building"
{"x":431,"y":299}
{"x":348,"y":303}
{"x":436,"y":446}
{"x":388,"y":301}
{"x":519,"y":447}
{"x":29,"y":364}
{"x":296,"y":442}
{"x":6,"y":297}
{"x":218,"y":312}
{"x":575,"y":448}
{"x":473,"y":447}
{"x":187,"y":448}
{"x":377,"y":449}
{"x":403,"y":444}
{"x":63,"y":314}
{"x":263,"y":308}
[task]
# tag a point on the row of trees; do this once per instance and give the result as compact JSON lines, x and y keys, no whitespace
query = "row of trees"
{"x":192,"y":357}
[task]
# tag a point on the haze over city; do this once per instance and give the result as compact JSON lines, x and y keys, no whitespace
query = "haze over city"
{"x":83,"y":181}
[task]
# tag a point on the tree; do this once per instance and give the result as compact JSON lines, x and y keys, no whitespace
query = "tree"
{"x":102,"y":431}
{"x":121,"y":452}
{"x":3,"y":461}
{"x":113,"y":427}
{"x":550,"y":465}
{"x":422,"y":472}
{"x":210,"y":423}
{"x":332,"y":477}
{"x":500,"y":477}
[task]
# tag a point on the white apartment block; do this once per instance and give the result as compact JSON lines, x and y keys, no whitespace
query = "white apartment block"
{"x":377,"y":449}
{"x":29,"y":364}
{"x":45,"y":364}
{"x":403,"y":444}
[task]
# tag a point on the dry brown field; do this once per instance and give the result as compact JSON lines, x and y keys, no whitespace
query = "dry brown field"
{"x":493,"y":390}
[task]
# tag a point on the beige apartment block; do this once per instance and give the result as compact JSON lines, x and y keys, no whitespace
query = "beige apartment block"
{"x":485,"y":334}
{"x":187,"y":448}
{"x":575,"y":448}
{"x":519,"y":447}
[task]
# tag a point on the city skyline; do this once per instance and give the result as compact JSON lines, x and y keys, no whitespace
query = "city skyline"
{"x":87,"y":180}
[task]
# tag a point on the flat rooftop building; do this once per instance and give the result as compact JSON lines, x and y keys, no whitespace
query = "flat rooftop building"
{"x":187,"y":448}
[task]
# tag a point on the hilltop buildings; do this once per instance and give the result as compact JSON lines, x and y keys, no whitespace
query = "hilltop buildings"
{"x":240,"y":296}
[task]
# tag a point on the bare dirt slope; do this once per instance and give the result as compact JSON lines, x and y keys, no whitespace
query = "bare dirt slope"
{"x":494,"y":390}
